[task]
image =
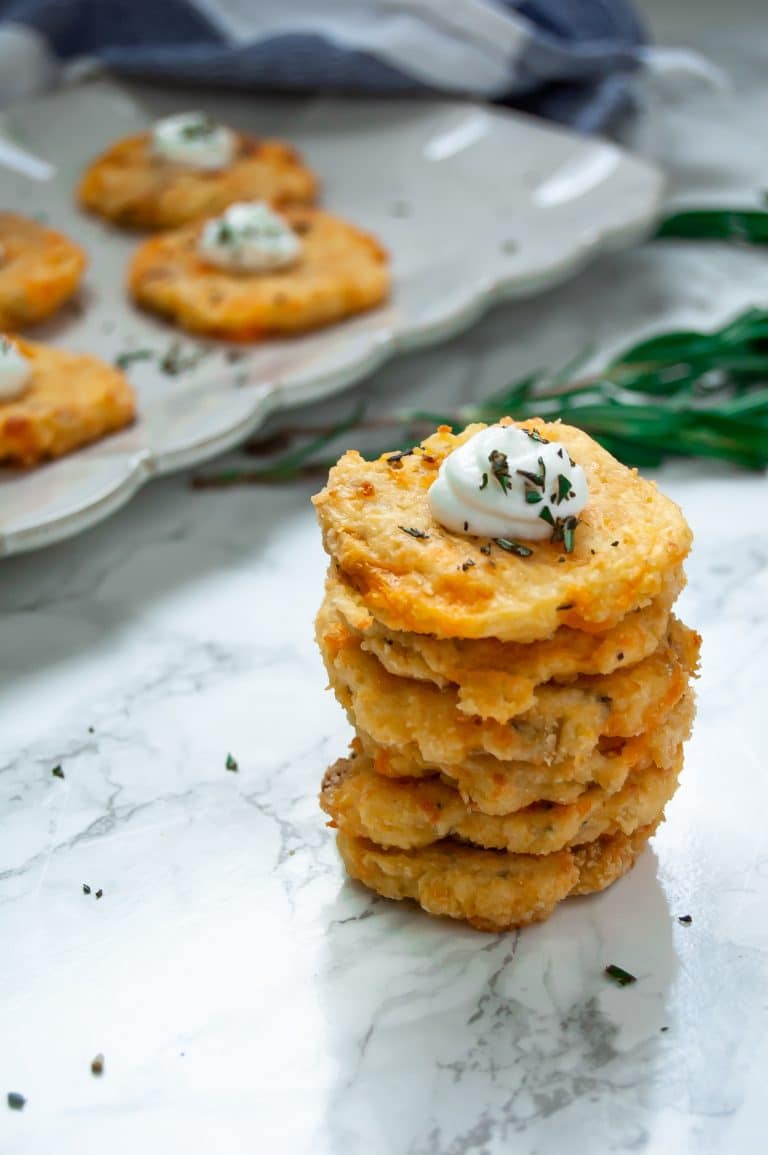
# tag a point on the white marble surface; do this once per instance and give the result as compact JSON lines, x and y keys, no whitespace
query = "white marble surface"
{"x":248,"y":999}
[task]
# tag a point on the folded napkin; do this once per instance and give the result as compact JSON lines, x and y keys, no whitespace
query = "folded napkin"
{"x":571,"y":60}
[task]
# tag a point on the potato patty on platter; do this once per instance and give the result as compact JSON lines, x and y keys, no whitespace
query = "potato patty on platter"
{"x":133,"y":187}
{"x":339,"y":272}
{"x":68,"y":400}
{"x":40,"y":269}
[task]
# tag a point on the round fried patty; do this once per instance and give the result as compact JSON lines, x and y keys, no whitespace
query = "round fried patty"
{"x":495,"y":787}
{"x":40,"y":269}
{"x":131,"y":186}
{"x":492,"y":890}
{"x":341,"y":271}
{"x":498,"y":679}
{"x":410,"y":813}
{"x":71,"y":399}
{"x":414,"y":575}
{"x":564,"y":722}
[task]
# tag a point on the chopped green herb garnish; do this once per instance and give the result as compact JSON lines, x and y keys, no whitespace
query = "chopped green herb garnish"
{"x":534,"y":436}
{"x":97,"y":1065}
{"x":614,"y":543}
{"x":417,"y":533}
{"x":564,"y":489}
{"x":566,"y":606}
{"x":538,"y":479}
{"x":500,"y":469}
{"x":514,"y":547}
{"x":175,"y":361}
{"x":86,"y":888}
{"x":394,"y":458}
{"x":484,"y":481}
{"x":621,"y":977}
{"x":532,"y":496}
{"x":16,"y":1101}
{"x":195,"y":129}
{"x":563,"y":528}
{"x":569,"y":533}
{"x":685,"y":919}
{"x":225,"y":234}
{"x":57,"y":771}
{"x":125,"y":360}
{"x":565,"y":531}
{"x":486,"y":549}
{"x":467,"y":565}
{"x":231,"y":763}
{"x":99,"y":892}
{"x":171,"y":360}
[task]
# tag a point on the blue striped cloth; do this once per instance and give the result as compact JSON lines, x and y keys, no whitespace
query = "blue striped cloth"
{"x":571,"y":60}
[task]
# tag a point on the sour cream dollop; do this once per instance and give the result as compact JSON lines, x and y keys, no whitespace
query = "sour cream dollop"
{"x":15,"y":371}
{"x":249,"y":237}
{"x":504,"y":482}
{"x":193,"y":139}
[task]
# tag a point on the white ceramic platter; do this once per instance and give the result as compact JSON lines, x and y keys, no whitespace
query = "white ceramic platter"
{"x":474,"y":204}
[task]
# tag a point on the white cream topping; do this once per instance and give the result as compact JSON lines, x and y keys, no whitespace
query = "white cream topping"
{"x":249,"y":237}
{"x":15,"y":371}
{"x":193,"y":139}
{"x":505,"y":483}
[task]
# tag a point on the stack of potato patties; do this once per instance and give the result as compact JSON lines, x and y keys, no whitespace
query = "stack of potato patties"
{"x":519,"y":710}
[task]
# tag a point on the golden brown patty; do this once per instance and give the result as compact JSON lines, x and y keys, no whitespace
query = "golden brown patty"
{"x":492,"y":890}
{"x":629,"y":538}
{"x":497,"y":787}
{"x":341,"y":271}
{"x":39,"y":270}
{"x":71,"y":400}
{"x":131,"y":186}
{"x":564,"y":722}
{"x":498,"y":679}
{"x":411,"y":813}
